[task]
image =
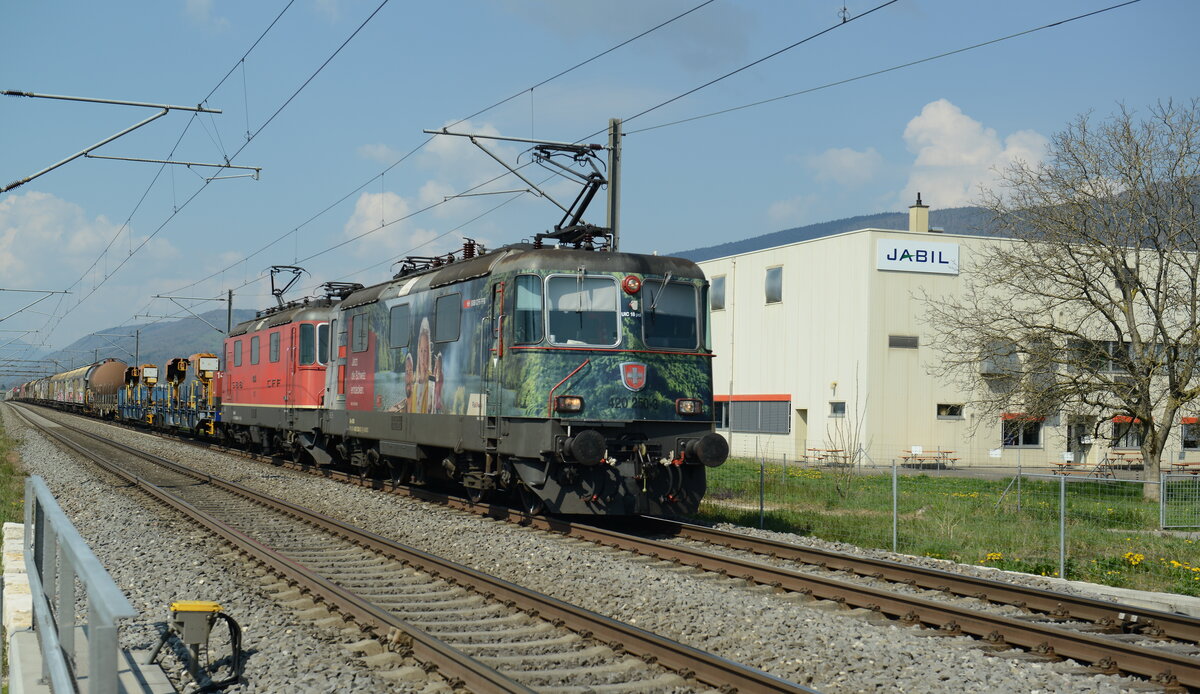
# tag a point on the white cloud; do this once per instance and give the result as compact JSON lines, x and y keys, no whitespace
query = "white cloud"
{"x":956,"y":155}
{"x":845,"y":166}
{"x":373,"y":210}
{"x":201,"y":14}
{"x":379,"y":152}
{"x":44,"y":239}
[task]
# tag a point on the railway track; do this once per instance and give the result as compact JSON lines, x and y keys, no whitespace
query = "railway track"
{"x":1108,"y":636}
{"x":480,"y":632}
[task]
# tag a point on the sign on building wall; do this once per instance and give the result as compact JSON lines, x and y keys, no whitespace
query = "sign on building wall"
{"x":917,"y":256}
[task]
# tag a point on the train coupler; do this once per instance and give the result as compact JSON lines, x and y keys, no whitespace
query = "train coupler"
{"x":191,"y":623}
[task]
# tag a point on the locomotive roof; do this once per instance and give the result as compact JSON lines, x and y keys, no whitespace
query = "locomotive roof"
{"x":519,"y":257}
{"x":321,"y":309}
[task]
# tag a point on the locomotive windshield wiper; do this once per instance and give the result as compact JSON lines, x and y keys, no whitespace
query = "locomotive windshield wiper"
{"x":660,"y":292}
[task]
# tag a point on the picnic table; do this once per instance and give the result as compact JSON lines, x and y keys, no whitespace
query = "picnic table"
{"x":1187,"y":467}
{"x":1099,"y":470}
{"x":936,"y":459}
{"x":1123,"y":460}
{"x":829,"y":456}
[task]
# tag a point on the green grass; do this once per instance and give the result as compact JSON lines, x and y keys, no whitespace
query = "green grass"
{"x":12,"y":482}
{"x":1111,"y":529}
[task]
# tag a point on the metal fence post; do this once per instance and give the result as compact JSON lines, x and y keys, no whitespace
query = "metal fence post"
{"x":895,"y":506}
{"x":1062,"y":526}
{"x":762,"y":491}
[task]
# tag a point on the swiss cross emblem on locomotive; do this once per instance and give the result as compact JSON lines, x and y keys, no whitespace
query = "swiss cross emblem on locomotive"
{"x":633,"y":375}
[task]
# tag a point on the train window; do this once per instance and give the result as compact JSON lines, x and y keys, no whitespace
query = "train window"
{"x":447,"y":317}
{"x":358,"y":332}
{"x":274,"y":347}
{"x":527,"y":312}
{"x":669,"y":314}
{"x":254,"y":350}
{"x":237,"y":352}
{"x":400,"y":331}
{"x":582,"y":310}
{"x":323,"y":338}
{"x":308,"y":344}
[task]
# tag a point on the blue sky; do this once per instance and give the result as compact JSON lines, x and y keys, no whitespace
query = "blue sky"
{"x":866,"y":146}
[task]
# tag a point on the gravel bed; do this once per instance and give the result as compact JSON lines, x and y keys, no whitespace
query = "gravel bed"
{"x":157,"y":558}
{"x":827,"y":649}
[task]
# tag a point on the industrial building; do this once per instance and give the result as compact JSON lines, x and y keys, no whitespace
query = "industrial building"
{"x":822,"y":354}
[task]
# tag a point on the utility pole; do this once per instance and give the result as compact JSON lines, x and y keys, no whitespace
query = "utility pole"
{"x":614,"y":178}
{"x":229,"y":313}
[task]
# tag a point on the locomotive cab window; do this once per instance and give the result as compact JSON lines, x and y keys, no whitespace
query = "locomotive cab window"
{"x":400,"y":330}
{"x":358,"y":330}
{"x":669,"y":314}
{"x":447,"y":316}
{"x":254,"y":350}
{"x":323,"y":343}
{"x":237,"y":352}
{"x":274,"y":347}
{"x":527,"y":311}
{"x":308,"y":344}
{"x":582,"y":310}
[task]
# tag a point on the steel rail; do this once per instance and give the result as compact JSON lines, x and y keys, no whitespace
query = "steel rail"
{"x":1119,"y":617}
{"x":705,"y":667}
{"x":475,"y":675}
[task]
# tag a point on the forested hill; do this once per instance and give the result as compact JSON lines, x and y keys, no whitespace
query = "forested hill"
{"x":160,"y":342}
{"x":955,"y":220}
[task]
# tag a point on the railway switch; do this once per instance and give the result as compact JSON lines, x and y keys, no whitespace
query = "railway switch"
{"x":191,"y":622}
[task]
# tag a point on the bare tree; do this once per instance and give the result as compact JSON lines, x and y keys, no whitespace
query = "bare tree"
{"x":1089,"y":305}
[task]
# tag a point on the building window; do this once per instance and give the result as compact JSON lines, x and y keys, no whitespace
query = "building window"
{"x":903,"y":341}
{"x":755,"y":417}
{"x":1191,"y":436}
{"x":837,"y":408}
{"x":400,"y":329}
{"x":1021,"y":433}
{"x":716,"y":294}
{"x":447,"y":317}
{"x":1128,"y":433}
{"x":774,"y":285}
{"x":274,"y":347}
{"x":254,"y":350}
{"x":948,"y":411}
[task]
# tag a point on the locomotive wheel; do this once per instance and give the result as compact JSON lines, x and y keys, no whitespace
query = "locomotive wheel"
{"x":531,"y":503}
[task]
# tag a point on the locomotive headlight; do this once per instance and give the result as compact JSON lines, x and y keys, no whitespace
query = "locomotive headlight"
{"x":568,"y":403}
{"x":689,"y":406}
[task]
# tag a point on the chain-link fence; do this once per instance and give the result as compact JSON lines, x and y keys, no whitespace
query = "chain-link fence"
{"x":1180,"y":501}
{"x":1094,"y":528}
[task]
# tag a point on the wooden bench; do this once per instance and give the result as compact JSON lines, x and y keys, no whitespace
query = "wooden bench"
{"x":1186,"y":467}
{"x":935,"y":460}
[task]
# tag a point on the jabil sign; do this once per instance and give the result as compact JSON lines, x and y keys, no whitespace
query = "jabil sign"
{"x":917,"y":256}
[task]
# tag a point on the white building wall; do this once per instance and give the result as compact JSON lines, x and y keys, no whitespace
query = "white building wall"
{"x":827,"y":341}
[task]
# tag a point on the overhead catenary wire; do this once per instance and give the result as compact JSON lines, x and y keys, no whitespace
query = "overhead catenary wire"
{"x":204,"y":186}
{"x":875,"y":73}
{"x":427,"y":140}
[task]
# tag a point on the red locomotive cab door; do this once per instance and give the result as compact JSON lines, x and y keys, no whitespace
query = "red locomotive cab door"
{"x":289,"y":375}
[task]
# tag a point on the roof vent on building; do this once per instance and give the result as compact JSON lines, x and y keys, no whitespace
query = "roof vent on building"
{"x":918,"y":217}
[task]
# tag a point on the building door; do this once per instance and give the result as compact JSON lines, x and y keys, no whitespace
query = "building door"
{"x":1079,"y":437}
{"x":800,"y":428}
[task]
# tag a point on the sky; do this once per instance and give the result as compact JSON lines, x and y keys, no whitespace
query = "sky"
{"x":329,"y":98}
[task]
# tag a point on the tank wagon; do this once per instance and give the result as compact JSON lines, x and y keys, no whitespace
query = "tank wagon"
{"x":93,"y":388}
{"x":579,"y":381}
